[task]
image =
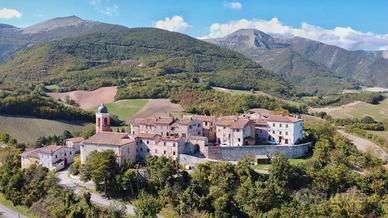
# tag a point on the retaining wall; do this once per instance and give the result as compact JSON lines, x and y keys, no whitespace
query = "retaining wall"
{"x":239,"y":152}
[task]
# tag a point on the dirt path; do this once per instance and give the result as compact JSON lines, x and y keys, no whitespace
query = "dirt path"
{"x":157,"y":107}
{"x":365,"y":145}
{"x":89,"y":99}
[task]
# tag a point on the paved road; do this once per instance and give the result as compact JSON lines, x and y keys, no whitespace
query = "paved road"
{"x":78,"y":187}
{"x":9,"y":213}
{"x":365,"y":145}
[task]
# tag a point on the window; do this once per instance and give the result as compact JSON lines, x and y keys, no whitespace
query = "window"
{"x":239,"y":140}
{"x":198,"y":125}
{"x":273,"y":124}
{"x":286,"y":141}
{"x":173,"y":144}
{"x":148,"y":142}
{"x":273,"y":131}
{"x":164,"y":143}
{"x":189,"y":126}
{"x":199,"y":133}
{"x":65,"y":154}
{"x":173,"y":153}
{"x":56,"y":156}
{"x":156,"y":151}
{"x":164,"y":152}
{"x":280,"y":132}
{"x":238,"y":130}
{"x":141,"y":149}
{"x":286,"y":133}
{"x":205,"y":123}
{"x":70,"y":152}
{"x":286,"y":125}
{"x":280,"y":125}
{"x":148,"y":150}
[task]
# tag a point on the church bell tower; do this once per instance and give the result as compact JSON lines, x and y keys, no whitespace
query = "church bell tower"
{"x":102,"y":119}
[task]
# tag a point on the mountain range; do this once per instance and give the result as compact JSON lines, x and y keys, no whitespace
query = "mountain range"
{"x":12,"y":39}
{"x":93,"y":54}
{"x":315,"y":66}
{"x":51,"y":51}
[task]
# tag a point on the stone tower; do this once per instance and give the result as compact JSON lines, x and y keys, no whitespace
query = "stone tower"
{"x":102,"y":119}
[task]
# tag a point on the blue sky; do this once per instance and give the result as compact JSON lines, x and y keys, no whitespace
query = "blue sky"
{"x":347,"y":21}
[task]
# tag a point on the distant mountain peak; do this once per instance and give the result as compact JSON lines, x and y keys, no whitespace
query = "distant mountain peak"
{"x":4,"y":26}
{"x":55,"y":23}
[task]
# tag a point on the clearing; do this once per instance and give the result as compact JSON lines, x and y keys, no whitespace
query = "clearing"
{"x":358,"y":109}
{"x":125,"y":109}
{"x":88,"y":99}
{"x":158,"y":107}
{"x":28,"y":129}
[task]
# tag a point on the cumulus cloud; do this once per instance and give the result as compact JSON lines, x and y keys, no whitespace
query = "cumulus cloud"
{"x":344,"y":37}
{"x":175,"y":23}
{"x":105,"y":7}
{"x":233,"y":5}
{"x":7,"y":13}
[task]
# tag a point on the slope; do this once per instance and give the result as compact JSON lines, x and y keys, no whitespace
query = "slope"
{"x":130,"y":55}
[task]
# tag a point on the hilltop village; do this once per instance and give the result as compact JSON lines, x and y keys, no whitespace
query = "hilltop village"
{"x":172,"y":137}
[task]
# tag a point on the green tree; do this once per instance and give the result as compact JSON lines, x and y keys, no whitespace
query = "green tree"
{"x":102,"y":168}
{"x":147,"y":206}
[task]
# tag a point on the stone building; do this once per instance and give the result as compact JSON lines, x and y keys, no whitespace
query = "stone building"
{"x":75,"y":143}
{"x":52,"y":157}
{"x":285,"y":129}
{"x":235,"y":131}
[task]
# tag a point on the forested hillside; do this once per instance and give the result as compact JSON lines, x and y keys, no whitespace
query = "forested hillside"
{"x":133,"y":55}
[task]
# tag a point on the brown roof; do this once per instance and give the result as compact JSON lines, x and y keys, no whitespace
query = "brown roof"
{"x":49,"y":149}
{"x":260,"y":122}
{"x":147,"y":135}
{"x":240,"y":123}
{"x":30,"y":153}
{"x":204,"y":118}
{"x":164,"y":120}
{"x":281,"y":118}
{"x":225,"y":121}
{"x":186,"y":121}
{"x":76,"y":139}
{"x":110,"y":138}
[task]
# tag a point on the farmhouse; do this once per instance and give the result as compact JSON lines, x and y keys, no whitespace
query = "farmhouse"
{"x":52,"y":157}
{"x":170,"y":136}
{"x":75,"y":143}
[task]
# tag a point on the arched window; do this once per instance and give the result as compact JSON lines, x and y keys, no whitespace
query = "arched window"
{"x":105,"y":121}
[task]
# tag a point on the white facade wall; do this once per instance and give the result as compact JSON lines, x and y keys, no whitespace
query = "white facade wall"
{"x":285,"y":133}
{"x":51,"y":161}
{"x":75,"y":146}
{"x":224,"y":135}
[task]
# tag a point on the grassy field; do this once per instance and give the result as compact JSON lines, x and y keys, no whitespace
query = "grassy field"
{"x":359,"y":109}
{"x":125,"y":109}
{"x":27,"y":129}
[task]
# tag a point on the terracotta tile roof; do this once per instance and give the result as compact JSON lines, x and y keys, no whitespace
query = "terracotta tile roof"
{"x":49,"y":149}
{"x":110,"y":138}
{"x":147,"y":135}
{"x":76,"y":139}
{"x":281,"y":118}
{"x":225,"y":121}
{"x":30,"y":153}
{"x":143,"y":121}
{"x":204,"y":118}
{"x":164,"y":120}
{"x":186,"y":121}
{"x":240,"y":123}
{"x":260,"y":122}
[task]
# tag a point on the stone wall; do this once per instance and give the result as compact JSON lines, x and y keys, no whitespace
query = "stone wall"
{"x":238,"y":153}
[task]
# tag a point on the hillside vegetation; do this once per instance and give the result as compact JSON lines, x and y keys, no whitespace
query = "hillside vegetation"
{"x":132,"y":55}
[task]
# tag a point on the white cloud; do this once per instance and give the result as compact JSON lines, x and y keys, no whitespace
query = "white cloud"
{"x":7,"y":13}
{"x":175,"y":23}
{"x":105,"y":7}
{"x":233,"y":5}
{"x":344,"y":37}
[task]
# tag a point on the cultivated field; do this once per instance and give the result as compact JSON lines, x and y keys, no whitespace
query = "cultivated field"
{"x":158,"y":107}
{"x":358,"y":110}
{"x":26,"y":129}
{"x":125,"y":109}
{"x":88,"y":99}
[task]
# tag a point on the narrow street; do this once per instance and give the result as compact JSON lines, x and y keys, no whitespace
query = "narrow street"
{"x":79,"y":187}
{"x":9,"y":213}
